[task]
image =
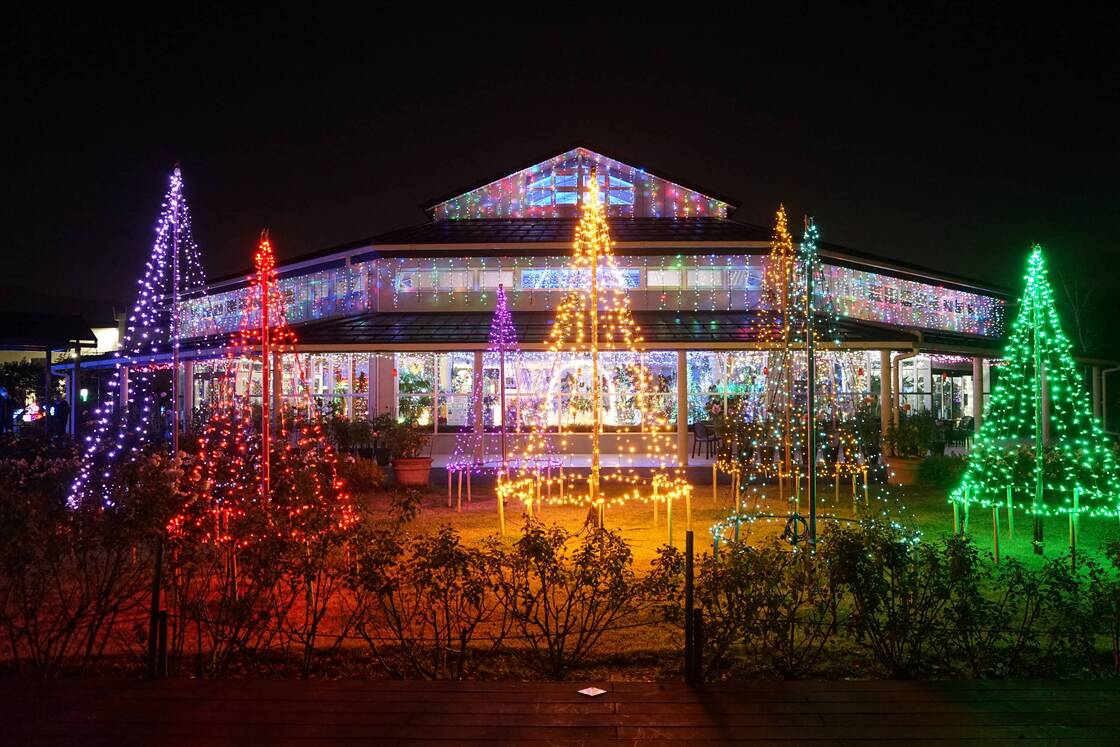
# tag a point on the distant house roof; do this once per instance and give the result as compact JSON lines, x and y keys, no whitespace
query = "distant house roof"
{"x":20,"y":331}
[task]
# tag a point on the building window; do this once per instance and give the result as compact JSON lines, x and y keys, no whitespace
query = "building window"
{"x":490,"y":279}
{"x":406,"y":281}
{"x":562,"y":187}
{"x":568,"y":279}
{"x":663,"y":278}
{"x":705,"y":278}
{"x":414,"y":376}
{"x":455,"y":280}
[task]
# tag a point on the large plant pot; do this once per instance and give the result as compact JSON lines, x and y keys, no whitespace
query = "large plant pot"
{"x":902,"y":470}
{"x":412,"y":473}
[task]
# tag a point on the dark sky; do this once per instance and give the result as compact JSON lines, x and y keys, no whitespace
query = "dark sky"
{"x":929,"y":134}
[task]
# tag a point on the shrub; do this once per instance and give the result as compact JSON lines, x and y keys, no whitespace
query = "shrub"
{"x":436,"y":599}
{"x":361,"y":475}
{"x":899,"y":588}
{"x":405,"y":441}
{"x":562,"y":600}
{"x":69,"y":577}
{"x":940,"y":471}
{"x":912,"y":437}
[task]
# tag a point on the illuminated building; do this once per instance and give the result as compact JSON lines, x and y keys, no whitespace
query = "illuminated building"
{"x":399,"y":323}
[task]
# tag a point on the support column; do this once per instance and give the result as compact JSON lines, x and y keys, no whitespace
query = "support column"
{"x":386,"y":385}
{"x":885,"y":397}
{"x":188,"y":394}
{"x":977,"y":392}
{"x":1095,"y":372}
{"x":45,"y":405}
{"x":896,"y":390}
{"x":75,"y":386}
{"x":123,"y":393}
{"x":1045,"y":409}
{"x":371,"y":386}
{"x":477,"y":385}
{"x":682,"y":408}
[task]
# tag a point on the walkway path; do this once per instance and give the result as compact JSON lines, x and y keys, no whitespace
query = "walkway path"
{"x":190,"y":712}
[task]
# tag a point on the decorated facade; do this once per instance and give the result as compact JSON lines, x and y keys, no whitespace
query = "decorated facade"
{"x":399,"y":323}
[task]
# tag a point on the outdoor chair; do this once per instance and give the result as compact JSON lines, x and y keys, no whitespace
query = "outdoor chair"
{"x":705,"y":434}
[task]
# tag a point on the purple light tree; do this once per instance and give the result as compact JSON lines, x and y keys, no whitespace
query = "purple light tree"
{"x":476,"y":450}
{"x":130,"y":420}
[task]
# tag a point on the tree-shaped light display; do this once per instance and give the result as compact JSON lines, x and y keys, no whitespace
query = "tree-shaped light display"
{"x":777,"y":435}
{"x":476,"y":450}
{"x":1039,"y":446}
{"x":593,"y":321}
{"x":132,"y":418}
{"x":236,"y":494}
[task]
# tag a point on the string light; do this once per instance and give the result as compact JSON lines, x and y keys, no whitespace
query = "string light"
{"x":591,"y":321}
{"x":255,"y":476}
{"x":473,"y":448}
{"x":124,"y":430}
{"x":1076,"y":471}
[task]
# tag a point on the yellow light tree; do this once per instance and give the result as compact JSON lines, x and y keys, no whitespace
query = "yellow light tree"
{"x":769,"y":441}
{"x":593,"y":327}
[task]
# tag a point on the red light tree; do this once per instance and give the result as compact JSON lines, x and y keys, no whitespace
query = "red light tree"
{"x":263,"y":470}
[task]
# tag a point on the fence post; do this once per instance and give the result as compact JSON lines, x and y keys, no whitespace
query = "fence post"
{"x":697,"y":647}
{"x":153,"y":618}
{"x":162,"y":658}
{"x":689,"y":663}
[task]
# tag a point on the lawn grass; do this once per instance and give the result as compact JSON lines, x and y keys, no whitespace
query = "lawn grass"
{"x":921,"y":507}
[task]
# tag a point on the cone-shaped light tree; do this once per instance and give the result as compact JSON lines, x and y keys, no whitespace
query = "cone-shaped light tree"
{"x":263,"y":470}
{"x":476,"y":450}
{"x":1040,"y":448}
{"x":133,"y":417}
{"x":598,"y":366}
{"x":798,"y":324}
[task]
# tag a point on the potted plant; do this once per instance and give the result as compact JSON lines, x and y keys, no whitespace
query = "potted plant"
{"x":406,"y":444}
{"x":379,"y":427}
{"x":908,"y":443}
{"x":361,"y":438}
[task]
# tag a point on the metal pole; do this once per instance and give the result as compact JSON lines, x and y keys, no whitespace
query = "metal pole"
{"x":596,"y":394}
{"x":810,"y":398}
{"x":1038,"y":445}
{"x":175,"y":363}
{"x":153,"y":612}
{"x":689,"y":603}
{"x":502,"y":398}
{"x":266,"y":383}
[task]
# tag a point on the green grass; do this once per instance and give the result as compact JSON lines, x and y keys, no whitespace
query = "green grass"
{"x":921,"y":507}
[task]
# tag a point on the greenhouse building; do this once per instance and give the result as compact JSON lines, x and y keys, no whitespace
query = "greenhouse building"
{"x":399,"y":323}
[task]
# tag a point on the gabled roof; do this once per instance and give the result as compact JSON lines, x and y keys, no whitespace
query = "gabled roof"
{"x":553,"y":188}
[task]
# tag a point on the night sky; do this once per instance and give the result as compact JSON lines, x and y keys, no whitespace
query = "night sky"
{"x":935,"y":135}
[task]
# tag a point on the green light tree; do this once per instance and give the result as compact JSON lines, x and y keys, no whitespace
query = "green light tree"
{"x":1039,"y":447}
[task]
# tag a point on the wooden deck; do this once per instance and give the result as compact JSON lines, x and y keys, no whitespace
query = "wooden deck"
{"x":197,"y":712}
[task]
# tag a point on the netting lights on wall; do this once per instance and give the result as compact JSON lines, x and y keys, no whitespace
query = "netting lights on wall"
{"x":138,"y":411}
{"x":1040,"y":448}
